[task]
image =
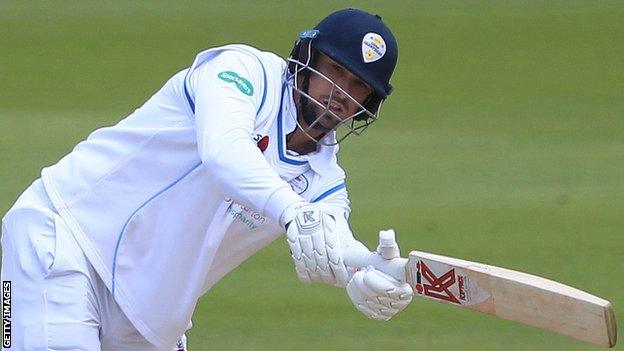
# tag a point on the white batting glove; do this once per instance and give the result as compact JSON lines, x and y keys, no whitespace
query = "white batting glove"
{"x":315,"y":245}
{"x":376,"y":294}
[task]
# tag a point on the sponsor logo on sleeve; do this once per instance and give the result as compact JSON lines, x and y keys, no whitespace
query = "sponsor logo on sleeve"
{"x":241,"y":83}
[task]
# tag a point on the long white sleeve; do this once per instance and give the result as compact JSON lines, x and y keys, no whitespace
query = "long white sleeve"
{"x":225,"y":115}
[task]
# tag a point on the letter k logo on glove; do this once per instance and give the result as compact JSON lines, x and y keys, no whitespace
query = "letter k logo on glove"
{"x":309,"y":219}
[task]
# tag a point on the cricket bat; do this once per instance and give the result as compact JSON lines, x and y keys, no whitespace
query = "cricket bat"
{"x":501,"y":292}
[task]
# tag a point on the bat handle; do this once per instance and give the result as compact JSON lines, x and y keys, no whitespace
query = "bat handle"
{"x":364,"y":258}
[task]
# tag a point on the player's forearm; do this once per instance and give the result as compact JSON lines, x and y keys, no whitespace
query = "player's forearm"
{"x":240,"y":169}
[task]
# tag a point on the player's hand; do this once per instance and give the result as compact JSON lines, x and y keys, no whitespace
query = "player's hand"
{"x":376,"y":294}
{"x":315,"y":245}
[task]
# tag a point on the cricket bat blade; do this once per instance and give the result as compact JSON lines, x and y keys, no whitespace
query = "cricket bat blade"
{"x":500,"y":292}
{"x":513,"y":295}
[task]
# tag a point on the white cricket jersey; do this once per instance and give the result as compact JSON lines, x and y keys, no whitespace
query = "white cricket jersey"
{"x":179,"y":193}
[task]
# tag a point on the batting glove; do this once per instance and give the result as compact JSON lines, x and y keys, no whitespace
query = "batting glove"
{"x":376,"y":294}
{"x":315,"y":246}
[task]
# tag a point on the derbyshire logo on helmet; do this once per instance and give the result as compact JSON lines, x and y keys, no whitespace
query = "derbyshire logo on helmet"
{"x":373,"y":47}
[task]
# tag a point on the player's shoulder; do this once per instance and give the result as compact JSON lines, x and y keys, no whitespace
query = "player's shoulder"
{"x":248,"y":49}
{"x":262,"y":68}
{"x":250,"y":55}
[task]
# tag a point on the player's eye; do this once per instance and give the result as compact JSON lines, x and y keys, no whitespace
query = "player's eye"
{"x":336,"y":71}
{"x":362,"y":86}
{"x":361,"y":89}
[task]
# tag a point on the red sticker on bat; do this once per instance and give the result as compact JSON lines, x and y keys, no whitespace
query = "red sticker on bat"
{"x":433,"y":286}
{"x":445,"y":283}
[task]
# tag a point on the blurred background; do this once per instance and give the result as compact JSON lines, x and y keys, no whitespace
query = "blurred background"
{"x":502,"y":143}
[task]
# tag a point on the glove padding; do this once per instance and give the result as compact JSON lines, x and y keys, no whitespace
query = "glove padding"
{"x":315,"y":246}
{"x":378,"y":295}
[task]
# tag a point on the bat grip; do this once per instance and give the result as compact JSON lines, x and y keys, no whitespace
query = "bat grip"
{"x":364,"y":258}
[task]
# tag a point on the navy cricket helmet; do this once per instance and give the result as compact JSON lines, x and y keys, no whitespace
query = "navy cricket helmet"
{"x":359,"y":41}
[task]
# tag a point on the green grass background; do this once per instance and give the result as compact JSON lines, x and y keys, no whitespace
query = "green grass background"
{"x":503,"y":143}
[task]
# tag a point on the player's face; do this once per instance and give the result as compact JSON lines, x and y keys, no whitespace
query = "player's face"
{"x":342,"y":103}
{"x":321,"y":89}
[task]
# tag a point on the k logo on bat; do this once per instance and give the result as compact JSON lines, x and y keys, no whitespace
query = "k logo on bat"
{"x":428,"y":284}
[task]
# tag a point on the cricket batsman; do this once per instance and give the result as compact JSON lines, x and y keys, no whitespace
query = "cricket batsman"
{"x":230,"y":154}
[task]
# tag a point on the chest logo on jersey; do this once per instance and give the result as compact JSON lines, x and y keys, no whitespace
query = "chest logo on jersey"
{"x":299,"y":184}
{"x":241,"y":83}
{"x":261,"y":141}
